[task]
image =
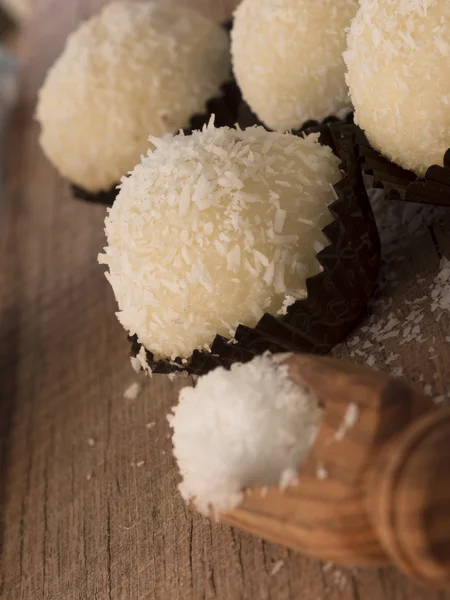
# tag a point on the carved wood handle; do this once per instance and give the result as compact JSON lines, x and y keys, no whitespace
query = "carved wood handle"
{"x":409,"y":499}
{"x":387,"y":490}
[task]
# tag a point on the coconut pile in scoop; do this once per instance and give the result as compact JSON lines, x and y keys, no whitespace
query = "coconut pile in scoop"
{"x":250,"y":426}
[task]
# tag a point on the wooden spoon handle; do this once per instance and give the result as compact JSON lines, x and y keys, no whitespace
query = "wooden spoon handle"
{"x":327,"y":516}
{"x":409,"y":499}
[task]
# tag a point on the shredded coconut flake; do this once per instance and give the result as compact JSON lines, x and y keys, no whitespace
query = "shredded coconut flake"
{"x":276,"y":567}
{"x":350,"y":418}
{"x":322,"y":472}
{"x":390,"y":324}
{"x":288,"y":478}
{"x":241,"y":428}
{"x":135,"y":363}
{"x":132,"y":391}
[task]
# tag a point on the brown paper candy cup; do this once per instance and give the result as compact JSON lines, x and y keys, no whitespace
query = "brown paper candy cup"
{"x":104,"y":197}
{"x":400,"y":184}
{"x":336,"y":297}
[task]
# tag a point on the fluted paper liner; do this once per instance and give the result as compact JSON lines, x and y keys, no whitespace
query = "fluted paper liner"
{"x":401,"y":184}
{"x":336,"y":298}
{"x":247,"y":118}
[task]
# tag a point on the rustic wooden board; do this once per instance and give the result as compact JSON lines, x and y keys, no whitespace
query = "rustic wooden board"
{"x":79,"y":519}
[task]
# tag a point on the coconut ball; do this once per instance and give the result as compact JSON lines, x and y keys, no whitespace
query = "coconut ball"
{"x":134,"y":70}
{"x":251,"y":425}
{"x":213,"y":229}
{"x":396,"y":59}
{"x":287,"y":58}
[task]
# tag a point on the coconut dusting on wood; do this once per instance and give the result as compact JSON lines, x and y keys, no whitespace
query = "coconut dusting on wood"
{"x":322,"y":472}
{"x":132,"y":391}
{"x":241,"y":428}
{"x":350,"y":418}
{"x":276,"y":567}
{"x":376,"y":343}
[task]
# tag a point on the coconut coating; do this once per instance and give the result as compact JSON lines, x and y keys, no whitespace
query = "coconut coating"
{"x":287,"y":58}
{"x":399,"y":84}
{"x":134,"y":70}
{"x":214,"y":229}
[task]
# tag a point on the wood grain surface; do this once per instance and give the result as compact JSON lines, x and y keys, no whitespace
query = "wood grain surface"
{"x":88,"y":502}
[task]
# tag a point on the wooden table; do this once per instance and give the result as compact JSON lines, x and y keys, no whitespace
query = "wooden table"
{"x":19,"y":10}
{"x":88,"y":502}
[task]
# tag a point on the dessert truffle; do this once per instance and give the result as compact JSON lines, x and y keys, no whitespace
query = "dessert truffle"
{"x":256,"y":423}
{"x":214,"y":229}
{"x":287,"y":59}
{"x":134,"y":70}
{"x":396,"y":58}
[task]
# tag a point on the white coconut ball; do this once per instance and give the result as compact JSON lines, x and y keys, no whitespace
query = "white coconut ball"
{"x":248,"y":426}
{"x":397,"y":59}
{"x":213,"y":229}
{"x":134,"y":70}
{"x":287,"y":58}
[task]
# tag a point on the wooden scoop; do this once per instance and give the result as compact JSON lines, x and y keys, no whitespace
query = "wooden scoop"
{"x":375,"y":488}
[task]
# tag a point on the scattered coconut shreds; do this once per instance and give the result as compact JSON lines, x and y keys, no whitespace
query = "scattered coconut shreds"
{"x":132,"y":391}
{"x":264,"y":491}
{"x":135,"y":363}
{"x":439,"y":399}
{"x":440,"y":290}
{"x":340,"y":579}
{"x":150,"y":425}
{"x":371,"y":361}
{"x":177,"y":375}
{"x":386,"y":326}
{"x":350,"y":418}
{"x":139,"y":362}
{"x":288,"y":478}
{"x":322,"y":472}
{"x":138,"y":464}
{"x":217,"y":196}
{"x":276,"y":567}
{"x":88,"y":476}
{"x":91,"y":442}
{"x":327,"y":566}
{"x":257,"y":427}
{"x":397,"y":371}
{"x":391,"y":358}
